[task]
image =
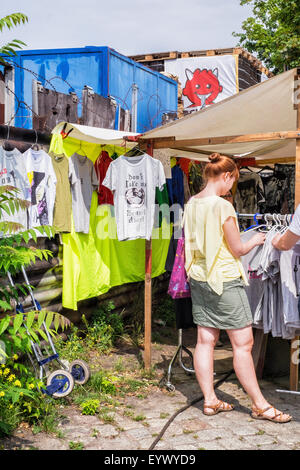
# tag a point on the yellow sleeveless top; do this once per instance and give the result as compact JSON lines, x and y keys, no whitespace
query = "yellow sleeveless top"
{"x":207,"y":255}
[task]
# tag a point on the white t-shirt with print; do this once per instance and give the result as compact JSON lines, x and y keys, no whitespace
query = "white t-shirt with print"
{"x":42,"y":180}
{"x":133,"y":181}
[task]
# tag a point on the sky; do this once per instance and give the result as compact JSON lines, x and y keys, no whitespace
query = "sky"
{"x":129,"y":26}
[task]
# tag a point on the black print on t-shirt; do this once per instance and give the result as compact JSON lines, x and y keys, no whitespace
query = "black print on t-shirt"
{"x":38,"y":197}
{"x":135,"y":197}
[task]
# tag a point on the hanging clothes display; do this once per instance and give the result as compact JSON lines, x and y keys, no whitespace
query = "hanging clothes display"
{"x":134,"y":181}
{"x":176,"y":186}
{"x":196,"y":182}
{"x":279,"y":188}
{"x":96,"y":262}
{"x":13,"y":173}
{"x":105,"y":196}
{"x":63,"y":200}
{"x":287,"y":172}
{"x":249,"y":193}
{"x":84,"y":181}
{"x":273,"y":286}
{"x":42,"y":180}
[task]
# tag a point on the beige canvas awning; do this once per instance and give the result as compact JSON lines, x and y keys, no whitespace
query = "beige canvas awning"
{"x":263,"y":108}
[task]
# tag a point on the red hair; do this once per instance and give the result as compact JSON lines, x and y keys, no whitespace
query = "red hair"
{"x":220,"y":164}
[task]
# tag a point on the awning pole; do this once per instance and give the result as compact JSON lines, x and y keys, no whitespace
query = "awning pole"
{"x":148,"y":293}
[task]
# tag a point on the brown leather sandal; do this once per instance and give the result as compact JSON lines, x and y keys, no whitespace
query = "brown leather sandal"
{"x":220,"y":406}
{"x":277,"y":418}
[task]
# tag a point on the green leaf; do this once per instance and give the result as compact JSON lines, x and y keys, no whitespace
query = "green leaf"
{"x":49,"y":319}
{"x":43,"y":334}
{"x":18,"y":320}
{"x":4,"y":323}
{"x":41,"y":317}
{"x":30,"y":319}
{"x":56,"y":322}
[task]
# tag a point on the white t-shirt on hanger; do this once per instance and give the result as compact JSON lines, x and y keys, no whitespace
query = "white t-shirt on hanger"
{"x":42,"y":180}
{"x":133,"y":181}
{"x":13,"y":173}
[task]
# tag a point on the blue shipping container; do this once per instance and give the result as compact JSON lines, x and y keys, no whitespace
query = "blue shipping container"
{"x":101,"y":68}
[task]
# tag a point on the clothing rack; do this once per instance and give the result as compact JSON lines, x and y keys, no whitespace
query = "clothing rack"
{"x":260,"y":339}
{"x":180,"y":348}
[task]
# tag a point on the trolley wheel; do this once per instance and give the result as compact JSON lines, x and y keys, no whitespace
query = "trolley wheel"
{"x":80,"y":371}
{"x":170,"y":387}
{"x":67,"y":383}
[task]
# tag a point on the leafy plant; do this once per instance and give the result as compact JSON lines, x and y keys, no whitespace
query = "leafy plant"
{"x":9,"y":22}
{"x":76,"y":445}
{"x":90,"y":407}
{"x":273,"y":33}
{"x":18,"y":389}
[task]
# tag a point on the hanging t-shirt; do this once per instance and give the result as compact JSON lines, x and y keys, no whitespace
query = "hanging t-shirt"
{"x":13,"y":173}
{"x":63,"y":199}
{"x":134,"y":181}
{"x":176,"y":187}
{"x":84,"y":181}
{"x":251,"y":263}
{"x":249,"y":193}
{"x":105,"y":196}
{"x":42,"y":180}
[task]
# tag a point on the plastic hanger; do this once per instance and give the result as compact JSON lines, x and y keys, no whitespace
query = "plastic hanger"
{"x":266,"y":168}
{"x":82,"y":150}
{"x":35,"y":145}
{"x":254,"y":225}
{"x":134,"y":152}
{"x":246,"y":168}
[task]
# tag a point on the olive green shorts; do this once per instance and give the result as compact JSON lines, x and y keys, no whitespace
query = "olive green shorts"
{"x":230,"y":310}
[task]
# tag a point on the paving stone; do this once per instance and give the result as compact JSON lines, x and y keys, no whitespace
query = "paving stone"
{"x":185,"y":447}
{"x":260,"y":440}
{"x":138,"y":432}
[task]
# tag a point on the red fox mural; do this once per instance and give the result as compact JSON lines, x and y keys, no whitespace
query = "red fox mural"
{"x":202,"y":87}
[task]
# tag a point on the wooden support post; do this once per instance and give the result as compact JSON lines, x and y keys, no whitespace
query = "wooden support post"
{"x":294,"y":365}
{"x":148,"y":294}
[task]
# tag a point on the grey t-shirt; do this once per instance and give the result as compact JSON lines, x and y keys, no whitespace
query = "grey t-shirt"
{"x":84,"y":181}
{"x":13,"y":173}
{"x":251,"y":260}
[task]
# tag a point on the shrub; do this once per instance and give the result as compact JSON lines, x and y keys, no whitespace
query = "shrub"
{"x":90,"y":407}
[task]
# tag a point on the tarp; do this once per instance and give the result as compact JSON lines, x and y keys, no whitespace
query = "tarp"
{"x":205,"y":80}
{"x":265,"y":107}
{"x":95,"y":135}
{"x":94,"y":262}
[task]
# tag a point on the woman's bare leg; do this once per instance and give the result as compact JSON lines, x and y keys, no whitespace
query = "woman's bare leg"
{"x":242,"y":343}
{"x":204,"y":361}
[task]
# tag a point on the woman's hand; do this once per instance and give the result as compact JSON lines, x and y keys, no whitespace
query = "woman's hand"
{"x":259,"y":238}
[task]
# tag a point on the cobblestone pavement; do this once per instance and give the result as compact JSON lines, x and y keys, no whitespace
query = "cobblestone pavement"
{"x":190,"y":430}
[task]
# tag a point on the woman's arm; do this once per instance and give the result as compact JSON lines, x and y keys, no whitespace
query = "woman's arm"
{"x":233,"y":239}
{"x":285,"y":242}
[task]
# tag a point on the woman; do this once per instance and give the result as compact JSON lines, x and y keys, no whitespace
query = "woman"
{"x":213,"y":248}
